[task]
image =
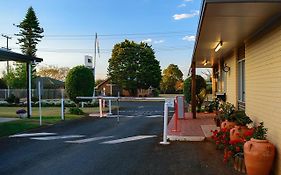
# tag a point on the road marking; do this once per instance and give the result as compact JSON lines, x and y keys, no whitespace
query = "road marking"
{"x":57,"y":137}
{"x":89,"y":139}
{"x":33,"y":134}
{"x":129,"y":139}
{"x":154,"y":116}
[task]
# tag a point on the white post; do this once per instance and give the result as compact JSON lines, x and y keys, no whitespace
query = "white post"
{"x":100,"y":105}
{"x":39,"y":100}
{"x":62,"y":105}
{"x":109,"y":104}
{"x":164,"y":142}
{"x":5,"y":93}
{"x":29,"y":82}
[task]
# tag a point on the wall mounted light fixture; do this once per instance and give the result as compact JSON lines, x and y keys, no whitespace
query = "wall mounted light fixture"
{"x":218,"y":46}
{"x":225,"y":68}
{"x":205,"y":63}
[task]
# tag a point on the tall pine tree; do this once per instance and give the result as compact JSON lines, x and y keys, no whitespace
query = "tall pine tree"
{"x":29,"y":36}
{"x":30,"y":33}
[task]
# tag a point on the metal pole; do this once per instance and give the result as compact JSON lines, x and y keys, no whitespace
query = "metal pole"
{"x":165,"y":123}
{"x":29,"y":82}
{"x":62,"y":105}
{"x":39,"y":99}
{"x":109,"y":104}
{"x":100,"y":105}
{"x":118,"y":117}
{"x":193,"y":89}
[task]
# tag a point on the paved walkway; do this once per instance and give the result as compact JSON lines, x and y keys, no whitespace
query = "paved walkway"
{"x":190,"y":129}
{"x":2,"y":120}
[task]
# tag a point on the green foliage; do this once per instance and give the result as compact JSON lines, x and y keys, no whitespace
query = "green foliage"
{"x":260,"y":132}
{"x":171,"y":75}
{"x":133,"y":66}
{"x":200,"y":85}
{"x":214,"y":105}
{"x":155,"y":93}
{"x":3,"y":84}
{"x":16,"y":78}
{"x":30,"y":33}
{"x":79,"y":82}
{"x":200,"y":98}
{"x":12,"y":99}
{"x":241,"y":118}
{"x":227,"y":109}
{"x":76,"y":111}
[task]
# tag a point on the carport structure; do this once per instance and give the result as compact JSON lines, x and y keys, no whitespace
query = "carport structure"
{"x":6,"y":55}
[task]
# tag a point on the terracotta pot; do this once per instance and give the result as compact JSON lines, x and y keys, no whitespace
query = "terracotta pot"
{"x":259,"y":155}
{"x":228,"y":125}
{"x":237,"y":132}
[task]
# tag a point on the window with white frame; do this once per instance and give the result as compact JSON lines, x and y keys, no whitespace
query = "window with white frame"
{"x":241,"y":80}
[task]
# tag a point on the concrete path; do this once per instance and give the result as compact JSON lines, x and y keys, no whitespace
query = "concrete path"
{"x":2,"y":120}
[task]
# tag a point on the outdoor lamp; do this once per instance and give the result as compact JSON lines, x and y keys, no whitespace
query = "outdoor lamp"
{"x":218,"y":46}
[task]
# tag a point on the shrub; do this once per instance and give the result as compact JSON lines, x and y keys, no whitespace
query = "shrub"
{"x":200,"y":90}
{"x":79,"y":82}
{"x":3,"y":84}
{"x":12,"y":99}
{"x":76,"y":111}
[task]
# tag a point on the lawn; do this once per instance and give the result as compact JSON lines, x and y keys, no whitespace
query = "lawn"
{"x":50,"y":115}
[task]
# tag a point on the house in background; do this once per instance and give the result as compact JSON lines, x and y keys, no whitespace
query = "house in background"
{"x":107,"y":88}
{"x":241,"y":41}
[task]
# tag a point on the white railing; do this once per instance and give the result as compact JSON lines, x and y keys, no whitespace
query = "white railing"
{"x":169,"y":102}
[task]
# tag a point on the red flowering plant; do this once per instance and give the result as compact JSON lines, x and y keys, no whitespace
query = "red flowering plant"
{"x":235,"y":147}
{"x":221,"y":138}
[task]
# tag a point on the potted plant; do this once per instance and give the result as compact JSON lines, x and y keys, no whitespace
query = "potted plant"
{"x":241,"y":120}
{"x":259,"y":152}
{"x":226,"y":110}
{"x":21,"y":113}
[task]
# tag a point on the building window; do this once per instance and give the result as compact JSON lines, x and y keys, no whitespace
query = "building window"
{"x":241,"y":80}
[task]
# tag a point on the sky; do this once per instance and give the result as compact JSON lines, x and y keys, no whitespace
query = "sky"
{"x":169,"y":26}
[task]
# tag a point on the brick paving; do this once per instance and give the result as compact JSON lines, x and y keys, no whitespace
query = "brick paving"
{"x":189,"y":127}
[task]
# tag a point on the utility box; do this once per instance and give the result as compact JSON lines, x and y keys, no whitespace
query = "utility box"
{"x":179,"y":107}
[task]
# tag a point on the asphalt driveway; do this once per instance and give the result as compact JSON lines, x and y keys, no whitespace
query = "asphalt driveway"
{"x":102,"y":146}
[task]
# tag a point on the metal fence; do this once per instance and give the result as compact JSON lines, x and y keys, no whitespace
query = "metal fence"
{"x":21,"y":93}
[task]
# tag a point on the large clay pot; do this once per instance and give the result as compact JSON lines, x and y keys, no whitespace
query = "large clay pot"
{"x":227,"y":125}
{"x":259,"y":155}
{"x":237,"y":132}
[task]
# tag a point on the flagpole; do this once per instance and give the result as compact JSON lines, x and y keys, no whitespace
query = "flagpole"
{"x":94,"y":68}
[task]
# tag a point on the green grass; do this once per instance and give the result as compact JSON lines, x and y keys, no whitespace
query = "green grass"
{"x":9,"y":128}
{"x":50,"y":115}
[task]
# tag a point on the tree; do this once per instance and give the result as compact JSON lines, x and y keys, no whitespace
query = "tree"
{"x":29,"y":36}
{"x":58,"y":73}
{"x":79,"y":82}
{"x":3,"y":84}
{"x":133,"y":66}
{"x":171,"y":76}
{"x":30,"y":33}
{"x":200,"y":90}
{"x":16,"y":78}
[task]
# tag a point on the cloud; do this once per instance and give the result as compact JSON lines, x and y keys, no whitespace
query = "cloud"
{"x":187,"y":0}
{"x":189,"y":38}
{"x":148,"y":40}
{"x":158,"y":41}
{"x":181,"y":5}
{"x":186,"y":15}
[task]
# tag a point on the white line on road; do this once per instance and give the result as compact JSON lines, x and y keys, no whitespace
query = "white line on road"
{"x":154,"y":116}
{"x":57,"y":137}
{"x":89,"y":139}
{"x":33,"y":134}
{"x":128,"y":139}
